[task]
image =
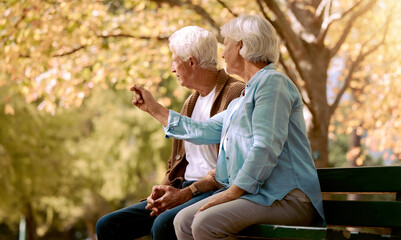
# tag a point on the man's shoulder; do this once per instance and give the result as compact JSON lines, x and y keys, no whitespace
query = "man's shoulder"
{"x":231,"y":81}
{"x":188,"y":99}
{"x":234,"y":84}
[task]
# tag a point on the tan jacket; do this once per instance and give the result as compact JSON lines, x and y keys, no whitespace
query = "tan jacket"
{"x":227,"y":89}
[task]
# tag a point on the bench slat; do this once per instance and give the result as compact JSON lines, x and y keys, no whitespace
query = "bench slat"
{"x":363,"y":213}
{"x":266,"y":231}
{"x":283,"y":232}
{"x":360,"y":179}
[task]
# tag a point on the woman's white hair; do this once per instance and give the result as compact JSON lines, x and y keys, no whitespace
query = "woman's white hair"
{"x":259,"y":38}
{"x":196,"y":42}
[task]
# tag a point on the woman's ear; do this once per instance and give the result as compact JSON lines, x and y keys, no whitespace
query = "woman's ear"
{"x":240,"y":45}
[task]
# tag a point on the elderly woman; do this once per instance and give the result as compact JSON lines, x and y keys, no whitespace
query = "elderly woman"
{"x":265,"y":161}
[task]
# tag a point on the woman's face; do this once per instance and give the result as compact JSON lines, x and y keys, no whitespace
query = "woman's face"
{"x":232,"y":57}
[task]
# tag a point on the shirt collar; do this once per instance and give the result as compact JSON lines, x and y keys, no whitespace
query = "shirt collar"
{"x":254,"y":78}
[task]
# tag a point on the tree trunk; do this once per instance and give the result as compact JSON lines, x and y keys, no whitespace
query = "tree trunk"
{"x":30,"y":223}
{"x":354,"y":149}
{"x":90,"y":226}
{"x":319,"y":130}
{"x":319,"y":144}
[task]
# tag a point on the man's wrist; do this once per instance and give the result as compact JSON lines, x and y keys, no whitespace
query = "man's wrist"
{"x":194,"y":190}
{"x":186,"y":193}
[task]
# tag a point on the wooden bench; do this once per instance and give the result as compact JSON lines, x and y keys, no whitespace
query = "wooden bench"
{"x":377,"y":218}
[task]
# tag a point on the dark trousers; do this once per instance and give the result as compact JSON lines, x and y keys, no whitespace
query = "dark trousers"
{"x":135,"y":221}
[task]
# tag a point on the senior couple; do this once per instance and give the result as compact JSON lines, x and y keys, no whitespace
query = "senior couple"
{"x":240,"y":153}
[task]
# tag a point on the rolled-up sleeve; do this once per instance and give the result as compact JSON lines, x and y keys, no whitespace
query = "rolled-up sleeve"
{"x":182,"y":127}
{"x":270,"y":119}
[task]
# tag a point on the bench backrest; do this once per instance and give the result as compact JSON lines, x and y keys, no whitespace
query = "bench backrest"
{"x":383,"y":179}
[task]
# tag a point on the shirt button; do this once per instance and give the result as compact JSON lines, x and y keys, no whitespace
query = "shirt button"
{"x":226,"y":158}
{"x":177,"y":156}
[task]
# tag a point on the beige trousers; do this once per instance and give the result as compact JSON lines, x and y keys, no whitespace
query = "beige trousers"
{"x":225,"y":220}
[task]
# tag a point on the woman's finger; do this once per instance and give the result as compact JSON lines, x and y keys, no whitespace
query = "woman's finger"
{"x":204,"y":207}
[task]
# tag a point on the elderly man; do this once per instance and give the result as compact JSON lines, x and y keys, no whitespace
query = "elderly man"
{"x":194,"y":55}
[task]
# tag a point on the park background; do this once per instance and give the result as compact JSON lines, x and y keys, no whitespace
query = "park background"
{"x":73,"y":148}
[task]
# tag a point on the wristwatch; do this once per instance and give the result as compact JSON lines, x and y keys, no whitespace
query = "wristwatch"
{"x":194,"y":190}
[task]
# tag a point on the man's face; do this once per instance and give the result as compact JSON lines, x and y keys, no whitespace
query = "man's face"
{"x":184,"y":71}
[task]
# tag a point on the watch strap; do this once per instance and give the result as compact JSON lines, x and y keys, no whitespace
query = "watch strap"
{"x":194,"y":190}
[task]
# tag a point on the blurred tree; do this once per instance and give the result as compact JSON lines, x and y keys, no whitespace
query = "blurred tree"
{"x":79,"y":163}
{"x":35,"y":163}
{"x":120,"y":161}
{"x":60,"y":50}
{"x":371,"y":107}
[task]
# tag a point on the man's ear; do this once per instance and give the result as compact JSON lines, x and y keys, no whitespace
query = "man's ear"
{"x":192,"y":62}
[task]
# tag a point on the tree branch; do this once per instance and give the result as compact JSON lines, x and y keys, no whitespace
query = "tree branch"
{"x":199,"y":10}
{"x":362,"y":55}
{"x":288,"y":70}
{"x":226,"y":7}
{"x":282,"y":35}
{"x":120,"y":35}
{"x":274,"y":23}
{"x":321,"y":8}
{"x":71,"y":51}
{"x":348,"y":27}
{"x":125,"y":35}
{"x":294,"y":45}
{"x":285,"y":30}
{"x":329,"y":20}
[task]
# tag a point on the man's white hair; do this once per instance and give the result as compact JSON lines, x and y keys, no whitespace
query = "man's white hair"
{"x":196,"y":42}
{"x":259,"y":38}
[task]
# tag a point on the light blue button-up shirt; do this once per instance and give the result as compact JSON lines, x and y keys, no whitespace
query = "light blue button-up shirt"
{"x":264,"y":148}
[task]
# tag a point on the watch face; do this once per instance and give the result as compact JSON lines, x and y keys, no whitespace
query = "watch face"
{"x":196,"y":193}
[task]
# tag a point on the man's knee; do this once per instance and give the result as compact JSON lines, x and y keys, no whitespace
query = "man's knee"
{"x":102,"y":226}
{"x":163,"y":226}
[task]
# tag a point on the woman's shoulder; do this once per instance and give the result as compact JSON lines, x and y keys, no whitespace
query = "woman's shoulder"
{"x":272,"y":74}
{"x":275,"y":77}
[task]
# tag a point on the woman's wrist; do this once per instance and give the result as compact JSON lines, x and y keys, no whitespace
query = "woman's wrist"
{"x":235,"y":191}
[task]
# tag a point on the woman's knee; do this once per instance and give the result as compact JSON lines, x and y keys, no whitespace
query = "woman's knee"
{"x":178,"y":221}
{"x":204,"y":226}
{"x":182,"y":223}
